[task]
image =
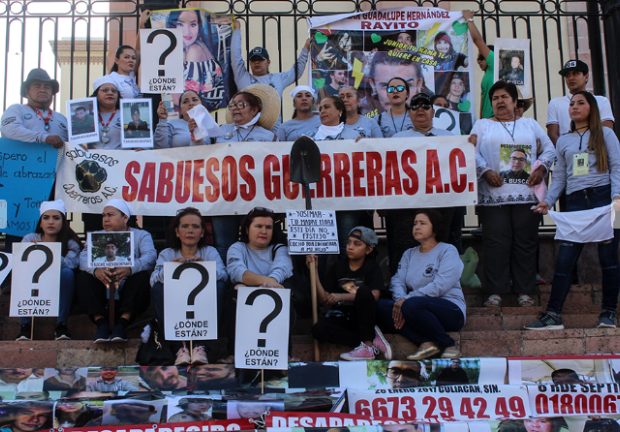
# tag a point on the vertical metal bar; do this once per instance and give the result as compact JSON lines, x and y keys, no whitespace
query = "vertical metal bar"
{"x":596,"y":48}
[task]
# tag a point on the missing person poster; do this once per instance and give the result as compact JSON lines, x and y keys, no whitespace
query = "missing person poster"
{"x":312,"y":232}
{"x":512,"y":64}
{"x":110,"y":249}
{"x":137,"y":123}
{"x":428,"y":47}
{"x":83,"y":122}
{"x":515,"y":163}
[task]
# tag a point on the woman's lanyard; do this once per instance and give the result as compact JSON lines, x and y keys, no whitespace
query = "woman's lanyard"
{"x":402,"y":124}
{"x":105,"y":128}
{"x":512,"y":135}
{"x":245,"y":138}
{"x":581,"y":137}
{"x":46,"y":119}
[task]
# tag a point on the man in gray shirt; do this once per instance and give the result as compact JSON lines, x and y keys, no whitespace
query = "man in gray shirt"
{"x":108,"y":382}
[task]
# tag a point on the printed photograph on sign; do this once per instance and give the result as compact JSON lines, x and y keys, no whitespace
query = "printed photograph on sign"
{"x":328,"y":82}
{"x":511,"y":66}
{"x":206,"y":48}
{"x":448,"y":48}
{"x":535,"y":424}
{"x":515,"y":162}
{"x":26,"y":416}
{"x":137,"y":123}
{"x":121,"y":379}
{"x":133,"y":412}
{"x":78,"y":413}
{"x":14,"y":380}
{"x":110,"y":249}
{"x":558,"y":371}
{"x":65,"y":379}
{"x":242,"y":409}
{"x":330,"y":50}
{"x":398,"y":374}
{"x":83,"y":124}
{"x":190,"y":409}
{"x":313,"y":375}
{"x":454,"y":86}
{"x":212,"y":377}
{"x":164,"y":378}
{"x":398,"y":41}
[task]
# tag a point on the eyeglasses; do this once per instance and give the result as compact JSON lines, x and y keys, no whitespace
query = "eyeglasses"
{"x":395,"y":373}
{"x":239,"y":106}
{"x":518,"y":159}
{"x":399,"y":89}
{"x":108,"y":90}
{"x":425,"y":106}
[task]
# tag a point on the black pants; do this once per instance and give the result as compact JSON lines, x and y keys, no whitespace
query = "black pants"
{"x":135,"y":295}
{"x":355,"y":325}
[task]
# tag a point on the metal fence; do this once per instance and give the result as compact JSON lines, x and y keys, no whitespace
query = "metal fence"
{"x":75,"y":39}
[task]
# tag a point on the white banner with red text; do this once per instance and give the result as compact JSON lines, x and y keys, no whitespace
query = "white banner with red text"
{"x":225,"y":179}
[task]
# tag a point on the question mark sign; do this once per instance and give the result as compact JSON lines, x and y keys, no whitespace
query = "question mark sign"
{"x":441,"y":111}
{"x":204,"y":275}
{"x":4,"y":261}
{"x":166,"y":53}
{"x":49,"y":257}
{"x":274,"y":313}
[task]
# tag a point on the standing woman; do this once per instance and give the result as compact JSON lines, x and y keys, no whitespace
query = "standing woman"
{"x":260,"y":259}
{"x":132,"y":282}
{"x":124,"y":72}
{"x":588,"y":184}
{"x":396,"y":119}
{"x":304,"y":121}
{"x":366,"y":127}
{"x":54,"y":227}
{"x":177,"y":132}
{"x":110,"y":122}
{"x":427,"y":297}
{"x":509,"y":227}
{"x":186,"y":235}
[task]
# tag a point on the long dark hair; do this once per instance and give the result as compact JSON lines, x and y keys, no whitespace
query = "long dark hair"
{"x":118,"y":94}
{"x":64,"y":235}
{"x":205,"y":38}
{"x":173,"y":241}
{"x":407,"y":87}
{"x":118,"y":53}
{"x":277,"y":236}
{"x":596,"y":141}
{"x":339,"y":105}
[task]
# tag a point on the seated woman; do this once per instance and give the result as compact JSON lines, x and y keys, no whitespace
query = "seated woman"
{"x":186,"y":236}
{"x":352,"y":288}
{"x":366,"y":127}
{"x":259,"y":259}
{"x":304,"y":121}
{"x":178,"y":132}
{"x":54,"y":227}
{"x":427,"y":297}
{"x":132,"y":282}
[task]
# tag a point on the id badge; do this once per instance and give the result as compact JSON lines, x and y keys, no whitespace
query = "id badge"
{"x":580,"y":164}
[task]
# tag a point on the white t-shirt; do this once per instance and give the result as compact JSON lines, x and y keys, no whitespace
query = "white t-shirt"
{"x":558,"y":111}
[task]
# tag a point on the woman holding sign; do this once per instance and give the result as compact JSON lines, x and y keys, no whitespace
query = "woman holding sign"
{"x":588,"y":170}
{"x":54,"y":227}
{"x":508,"y":169}
{"x":110,"y":122}
{"x":260,"y":259}
{"x":132,"y":283}
{"x":186,"y":235}
{"x":178,"y":132}
{"x":427,"y":297}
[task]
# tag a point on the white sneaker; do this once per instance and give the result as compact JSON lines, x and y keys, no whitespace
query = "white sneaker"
{"x":199,"y":356}
{"x":183,"y":358}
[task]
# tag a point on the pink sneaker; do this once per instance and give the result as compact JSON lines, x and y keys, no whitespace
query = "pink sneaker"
{"x":381,"y":344}
{"x":362,"y":352}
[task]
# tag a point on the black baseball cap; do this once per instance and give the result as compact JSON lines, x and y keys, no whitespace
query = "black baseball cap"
{"x":259,"y":52}
{"x":575,"y":65}
{"x":420,"y":98}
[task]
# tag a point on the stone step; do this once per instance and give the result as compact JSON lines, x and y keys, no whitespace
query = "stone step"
{"x":578,"y":295}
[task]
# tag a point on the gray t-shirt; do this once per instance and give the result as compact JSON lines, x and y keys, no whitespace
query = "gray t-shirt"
{"x":567,"y":148}
{"x":21,"y":123}
{"x":421,"y":133}
{"x":431,"y":274}
{"x":207,"y":253}
{"x":391,"y":125}
{"x":253,"y":133}
{"x":242,"y":257}
{"x":293,"y":129}
{"x":116,"y":128}
{"x":344,"y":135}
{"x":173,"y":133}
{"x":366,"y":127}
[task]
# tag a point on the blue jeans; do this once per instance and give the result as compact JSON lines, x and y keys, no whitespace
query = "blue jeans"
{"x":225,"y":232}
{"x":569,"y":252}
{"x":158,"y":301}
{"x":427,"y":319}
{"x":67,"y":288}
{"x":345,"y":222}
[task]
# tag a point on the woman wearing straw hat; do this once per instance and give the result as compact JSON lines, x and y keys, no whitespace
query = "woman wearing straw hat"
{"x":251,"y":114}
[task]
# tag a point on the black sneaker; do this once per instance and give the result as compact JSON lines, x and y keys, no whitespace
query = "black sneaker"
{"x":24,"y":332}
{"x":119,"y":334}
{"x":62,"y":332}
{"x":607,"y":320}
{"x":545,"y":322}
{"x":103,"y":333}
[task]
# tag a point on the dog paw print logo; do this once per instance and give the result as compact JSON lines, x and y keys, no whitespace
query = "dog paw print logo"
{"x":90,"y":176}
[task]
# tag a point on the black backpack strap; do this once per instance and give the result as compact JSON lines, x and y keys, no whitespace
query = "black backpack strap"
{"x":274,"y":250}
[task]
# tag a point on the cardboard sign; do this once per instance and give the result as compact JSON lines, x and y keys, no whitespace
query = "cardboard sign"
{"x":447,"y":120}
{"x":83,"y":120}
{"x":137,"y":118}
{"x":35,"y":285}
{"x":261,"y":340}
{"x":190,"y":298}
{"x":6,"y":260}
{"x":312,"y":232}
{"x":512,"y":63}
{"x":162,"y":60}
{"x":110,"y":249}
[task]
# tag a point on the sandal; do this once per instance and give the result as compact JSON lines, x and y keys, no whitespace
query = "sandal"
{"x":493,"y":301}
{"x":525,"y":300}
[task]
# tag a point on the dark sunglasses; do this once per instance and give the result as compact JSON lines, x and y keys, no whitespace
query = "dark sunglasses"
{"x":425,"y":106}
{"x":399,"y":89}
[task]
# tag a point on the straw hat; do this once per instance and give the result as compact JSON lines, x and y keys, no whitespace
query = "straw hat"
{"x":527,"y":102}
{"x":269,"y":102}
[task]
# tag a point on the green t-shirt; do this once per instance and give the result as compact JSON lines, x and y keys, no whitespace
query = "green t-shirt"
{"x":485,"y":85}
